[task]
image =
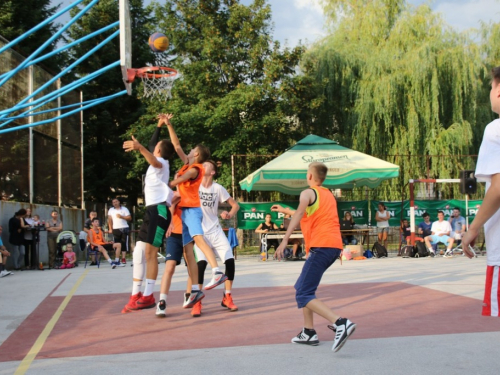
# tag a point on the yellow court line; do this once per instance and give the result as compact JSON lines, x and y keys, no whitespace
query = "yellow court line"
{"x":40,"y":341}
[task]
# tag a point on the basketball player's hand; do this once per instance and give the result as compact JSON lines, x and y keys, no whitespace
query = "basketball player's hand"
{"x":468,"y":239}
{"x":110,"y":231}
{"x":169,"y":230}
{"x":276,"y":208}
{"x":131,"y":145}
{"x":225,"y":215}
{"x":280,"y":250}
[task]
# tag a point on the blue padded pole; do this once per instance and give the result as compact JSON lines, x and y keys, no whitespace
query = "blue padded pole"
{"x":44,"y":45}
{"x":56,"y":77}
{"x":90,"y":105}
{"x":55,"y":94}
{"x":67,"y":46}
{"x":39,"y":26}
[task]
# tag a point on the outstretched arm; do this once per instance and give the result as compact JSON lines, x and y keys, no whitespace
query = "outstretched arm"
{"x":190,"y":174}
{"x":175,"y":140}
{"x":135,"y":145}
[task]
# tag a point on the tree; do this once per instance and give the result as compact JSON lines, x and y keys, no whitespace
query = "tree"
{"x":106,"y":164}
{"x":17,"y":17}
{"x":399,"y":81}
{"x":239,"y":92}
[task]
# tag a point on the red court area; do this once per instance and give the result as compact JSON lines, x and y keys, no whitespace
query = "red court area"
{"x":93,"y":325}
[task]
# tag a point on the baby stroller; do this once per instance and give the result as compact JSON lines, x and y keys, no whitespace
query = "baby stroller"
{"x":64,"y":238}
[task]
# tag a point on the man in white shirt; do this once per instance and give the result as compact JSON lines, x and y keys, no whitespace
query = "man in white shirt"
{"x":488,"y":170}
{"x":158,"y":197}
{"x":441,"y":230}
{"x":211,"y":194}
{"x":118,"y":218}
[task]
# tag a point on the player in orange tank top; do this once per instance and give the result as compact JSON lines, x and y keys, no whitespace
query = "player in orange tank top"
{"x":188,"y":182}
{"x":317,"y":212}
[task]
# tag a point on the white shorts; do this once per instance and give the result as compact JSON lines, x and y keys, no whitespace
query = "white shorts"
{"x":219,"y":243}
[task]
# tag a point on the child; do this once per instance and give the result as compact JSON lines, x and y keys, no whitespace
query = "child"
{"x":321,"y":230}
{"x":97,"y":243}
{"x":188,"y":182}
{"x":69,"y":257}
{"x":488,"y":169}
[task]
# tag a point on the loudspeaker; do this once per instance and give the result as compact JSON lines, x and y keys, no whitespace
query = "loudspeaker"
{"x":468,"y":183}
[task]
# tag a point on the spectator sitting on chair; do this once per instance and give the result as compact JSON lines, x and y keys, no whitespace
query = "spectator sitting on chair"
{"x":265,"y":227}
{"x":405,"y":231}
{"x":295,"y":242}
{"x":440,"y":233}
{"x":424,"y":228}
{"x":86,"y":228}
{"x":347,"y":224}
{"x":457,"y":223}
{"x":4,"y":255}
{"x":97,"y":243}
{"x":69,"y":257}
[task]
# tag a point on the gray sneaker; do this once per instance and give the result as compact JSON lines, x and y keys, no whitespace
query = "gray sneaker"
{"x":195,"y":296}
{"x":343,"y":329}
{"x":5,"y":273}
{"x":161,"y":309}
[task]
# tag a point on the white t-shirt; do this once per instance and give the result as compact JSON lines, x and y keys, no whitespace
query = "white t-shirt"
{"x":156,"y":188}
{"x":385,"y":223}
{"x":439,"y":228}
{"x":119,"y":223}
{"x":488,"y":165}
{"x":210,"y":198}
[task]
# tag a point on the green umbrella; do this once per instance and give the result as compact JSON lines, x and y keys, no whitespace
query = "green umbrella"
{"x":346,"y":168}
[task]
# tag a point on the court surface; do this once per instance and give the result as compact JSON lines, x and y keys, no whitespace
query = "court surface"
{"x":414,"y":316}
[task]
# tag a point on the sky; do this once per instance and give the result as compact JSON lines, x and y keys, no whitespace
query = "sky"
{"x":302,"y":20}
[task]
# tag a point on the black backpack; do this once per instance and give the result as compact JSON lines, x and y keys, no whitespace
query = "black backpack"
{"x":422,"y":251}
{"x":379,"y":250}
{"x":408,"y":251}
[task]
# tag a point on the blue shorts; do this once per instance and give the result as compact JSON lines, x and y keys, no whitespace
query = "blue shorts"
{"x":318,"y":261}
{"x":436,"y":239}
{"x":191,"y":224}
{"x":174,"y":248}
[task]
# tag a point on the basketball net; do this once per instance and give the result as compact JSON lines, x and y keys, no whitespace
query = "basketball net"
{"x":158,"y":82}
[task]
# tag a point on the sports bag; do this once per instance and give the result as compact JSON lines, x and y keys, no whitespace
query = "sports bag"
{"x":422,"y":251}
{"x":408,"y":251}
{"x":379,"y":250}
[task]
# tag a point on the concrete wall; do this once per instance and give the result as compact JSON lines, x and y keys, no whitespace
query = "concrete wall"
{"x":72,"y":219}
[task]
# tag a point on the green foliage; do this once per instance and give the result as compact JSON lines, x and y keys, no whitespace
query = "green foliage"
{"x":399,"y":81}
{"x":239,"y":91}
{"x":17,"y":17}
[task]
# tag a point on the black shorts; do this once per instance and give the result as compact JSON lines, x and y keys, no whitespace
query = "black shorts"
{"x":107,"y":246}
{"x":121,"y":236}
{"x":154,"y":225}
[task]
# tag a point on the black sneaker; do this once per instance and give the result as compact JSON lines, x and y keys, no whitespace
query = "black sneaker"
{"x":93,"y":264}
{"x":343,"y":329}
{"x":304,"y":338}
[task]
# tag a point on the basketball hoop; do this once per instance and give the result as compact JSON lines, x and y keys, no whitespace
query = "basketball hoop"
{"x":157,"y":80}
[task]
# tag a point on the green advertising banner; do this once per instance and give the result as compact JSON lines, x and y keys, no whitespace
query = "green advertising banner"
{"x":358,"y":209}
{"x":251,"y":215}
{"x":431,"y":207}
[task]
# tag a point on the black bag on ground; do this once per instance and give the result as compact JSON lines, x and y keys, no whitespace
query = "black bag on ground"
{"x":422,"y":251}
{"x":408,"y":251}
{"x":379,"y":250}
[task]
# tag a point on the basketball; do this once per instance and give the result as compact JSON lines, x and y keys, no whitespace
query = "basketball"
{"x":158,"y":42}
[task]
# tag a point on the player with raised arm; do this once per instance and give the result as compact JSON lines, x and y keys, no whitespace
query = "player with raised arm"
{"x":158,"y":197}
{"x":317,"y":213}
{"x":188,"y":183}
{"x":211,"y":194}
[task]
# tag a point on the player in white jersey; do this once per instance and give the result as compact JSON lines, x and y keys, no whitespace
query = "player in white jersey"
{"x":211,"y":194}
{"x":488,"y":170}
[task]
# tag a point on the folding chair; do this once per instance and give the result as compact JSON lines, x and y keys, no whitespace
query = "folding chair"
{"x":90,"y":252}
